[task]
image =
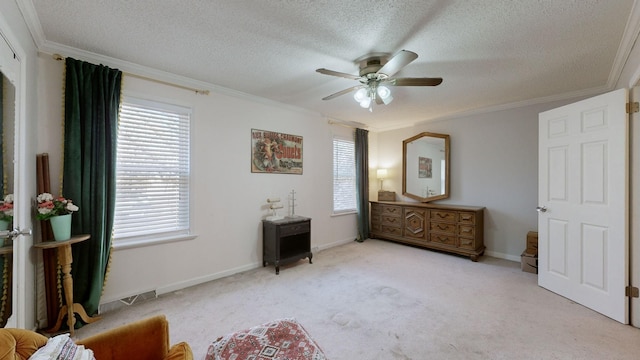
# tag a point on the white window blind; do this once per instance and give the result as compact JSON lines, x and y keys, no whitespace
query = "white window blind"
{"x":152,"y":170}
{"x":344,"y":175}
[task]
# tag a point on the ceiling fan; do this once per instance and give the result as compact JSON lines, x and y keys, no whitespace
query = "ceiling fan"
{"x":376,"y":71}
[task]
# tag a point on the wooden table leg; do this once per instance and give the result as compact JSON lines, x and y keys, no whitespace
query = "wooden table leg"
{"x":65,"y":258}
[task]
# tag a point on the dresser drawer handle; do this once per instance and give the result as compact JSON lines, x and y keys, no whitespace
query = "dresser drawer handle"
{"x":466,"y":230}
{"x":441,"y":215}
{"x":442,"y":227}
{"x":466,"y":217}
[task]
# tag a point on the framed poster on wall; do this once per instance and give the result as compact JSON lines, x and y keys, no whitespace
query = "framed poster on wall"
{"x":425,"y":167}
{"x":274,"y":152}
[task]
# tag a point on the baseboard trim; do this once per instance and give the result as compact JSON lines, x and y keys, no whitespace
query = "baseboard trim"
{"x":110,"y":304}
{"x":502,"y":256}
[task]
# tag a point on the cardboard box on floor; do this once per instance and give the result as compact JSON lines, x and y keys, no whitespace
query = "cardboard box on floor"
{"x":529,"y":262}
{"x":532,"y":242}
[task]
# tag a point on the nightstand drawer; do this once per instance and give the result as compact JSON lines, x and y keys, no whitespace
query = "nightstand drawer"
{"x":293,"y":229}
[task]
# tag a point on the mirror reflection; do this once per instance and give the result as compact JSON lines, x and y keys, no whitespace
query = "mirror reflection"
{"x":7,"y":116}
{"x":425,"y":163}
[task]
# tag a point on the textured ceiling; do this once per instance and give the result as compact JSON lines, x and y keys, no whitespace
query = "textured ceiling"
{"x":490,"y":53}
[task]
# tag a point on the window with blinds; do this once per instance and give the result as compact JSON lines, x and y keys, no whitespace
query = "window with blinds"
{"x":152,"y":170}
{"x":344,"y":175}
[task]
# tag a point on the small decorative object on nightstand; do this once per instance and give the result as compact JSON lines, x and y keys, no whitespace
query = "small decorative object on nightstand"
{"x":274,"y":205}
{"x":286,"y":240}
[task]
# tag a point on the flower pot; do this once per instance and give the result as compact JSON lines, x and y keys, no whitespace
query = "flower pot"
{"x":4,"y":225}
{"x":61,"y":226}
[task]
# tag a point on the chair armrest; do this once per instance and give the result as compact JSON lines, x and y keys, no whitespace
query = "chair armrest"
{"x":146,"y":339}
{"x":180,"y":351}
{"x":19,"y":343}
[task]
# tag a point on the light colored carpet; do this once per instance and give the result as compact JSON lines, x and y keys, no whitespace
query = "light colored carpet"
{"x":381,"y":300}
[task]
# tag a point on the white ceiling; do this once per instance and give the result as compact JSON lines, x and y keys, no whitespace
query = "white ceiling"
{"x":490,"y":53}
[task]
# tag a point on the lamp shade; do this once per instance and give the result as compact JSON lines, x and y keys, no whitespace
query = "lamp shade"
{"x":381,"y":173}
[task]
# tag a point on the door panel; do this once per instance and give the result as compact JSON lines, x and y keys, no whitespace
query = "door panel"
{"x":583,"y":185}
{"x":634,"y":210}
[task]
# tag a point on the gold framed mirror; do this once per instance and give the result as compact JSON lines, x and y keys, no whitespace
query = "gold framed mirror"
{"x":426,"y":167}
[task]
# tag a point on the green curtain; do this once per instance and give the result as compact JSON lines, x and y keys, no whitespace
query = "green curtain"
{"x":362,"y":182}
{"x":92,"y":100}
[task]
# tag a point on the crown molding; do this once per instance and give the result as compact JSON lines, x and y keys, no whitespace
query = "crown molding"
{"x":629,"y":37}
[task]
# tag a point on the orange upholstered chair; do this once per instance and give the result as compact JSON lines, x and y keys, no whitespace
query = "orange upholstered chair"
{"x":146,"y":339}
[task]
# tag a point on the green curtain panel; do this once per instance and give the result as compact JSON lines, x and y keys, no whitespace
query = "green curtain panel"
{"x":92,"y":100}
{"x":362,"y":182}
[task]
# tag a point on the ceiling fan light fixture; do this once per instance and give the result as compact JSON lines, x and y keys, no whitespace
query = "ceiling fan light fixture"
{"x":384,"y":92}
{"x":361,"y":95}
{"x":366,"y":102}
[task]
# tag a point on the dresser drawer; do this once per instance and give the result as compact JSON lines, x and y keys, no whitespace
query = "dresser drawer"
{"x":294,"y":229}
{"x":447,"y":216}
{"x":443,"y":227}
{"x":466,"y":231}
{"x":391,"y":210}
{"x":391,"y":230}
{"x":467,"y":218}
{"x":376,"y":209}
{"x":391,"y":221}
{"x":467,"y":243}
{"x":443,"y":239}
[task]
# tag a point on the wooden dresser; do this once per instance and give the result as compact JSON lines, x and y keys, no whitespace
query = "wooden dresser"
{"x":451,"y":228}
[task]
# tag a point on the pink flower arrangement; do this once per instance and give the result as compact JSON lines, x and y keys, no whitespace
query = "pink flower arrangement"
{"x":6,"y":208}
{"x":48,"y":206}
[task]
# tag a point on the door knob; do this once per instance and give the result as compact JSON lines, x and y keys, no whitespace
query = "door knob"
{"x":14,"y":233}
{"x":541,"y":209}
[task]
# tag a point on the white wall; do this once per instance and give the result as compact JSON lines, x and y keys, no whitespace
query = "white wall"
{"x":228,"y":200}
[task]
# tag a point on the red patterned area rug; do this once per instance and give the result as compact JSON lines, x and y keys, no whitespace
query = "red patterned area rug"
{"x":277,"y":340}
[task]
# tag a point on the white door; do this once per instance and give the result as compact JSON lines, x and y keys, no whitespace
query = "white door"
{"x":634,"y":210}
{"x":19,"y":177}
{"x":583,"y":206}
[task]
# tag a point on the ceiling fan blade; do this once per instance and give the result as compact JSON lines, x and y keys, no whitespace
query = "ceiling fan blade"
{"x":345,"y":91}
{"x":336,"y":73}
{"x":415,"y":81}
{"x":397,"y":62}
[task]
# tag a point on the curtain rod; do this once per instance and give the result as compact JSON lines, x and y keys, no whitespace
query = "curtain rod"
{"x":197,"y":91}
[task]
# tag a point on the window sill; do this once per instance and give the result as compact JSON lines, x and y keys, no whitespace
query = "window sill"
{"x":137,"y":243}
{"x":344,"y":213}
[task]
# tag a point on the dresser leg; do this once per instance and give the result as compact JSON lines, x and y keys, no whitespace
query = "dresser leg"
{"x":277,"y":269}
{"x":310,"y":256}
